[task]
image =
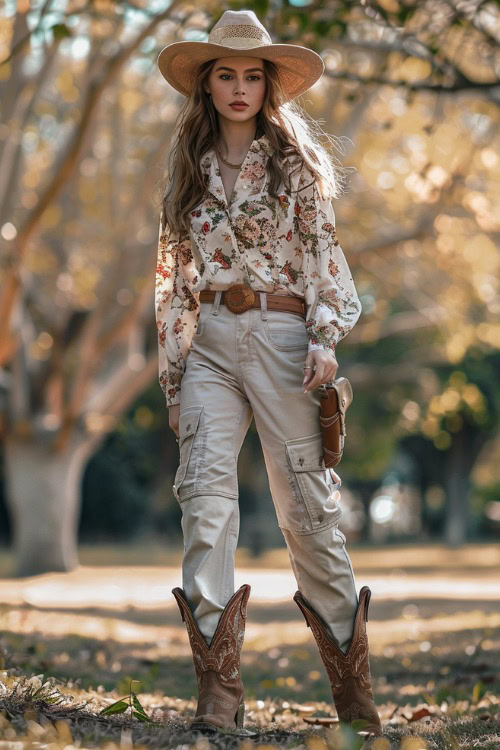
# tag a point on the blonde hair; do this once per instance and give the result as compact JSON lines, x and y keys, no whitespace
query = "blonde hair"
{"x":294,"y":136}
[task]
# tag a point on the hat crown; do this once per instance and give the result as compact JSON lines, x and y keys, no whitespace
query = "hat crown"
{"x":239,"y":29}
{"x":239,"y":33}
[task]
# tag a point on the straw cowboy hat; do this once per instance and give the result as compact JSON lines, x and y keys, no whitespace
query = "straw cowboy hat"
{"x":239,"y":33}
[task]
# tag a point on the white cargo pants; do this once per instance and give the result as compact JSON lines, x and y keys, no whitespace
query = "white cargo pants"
{"x":240,"y":365}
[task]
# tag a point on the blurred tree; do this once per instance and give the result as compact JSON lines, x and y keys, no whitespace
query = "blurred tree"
{"x":441,"y":443}
{"x":118,"y":487}
{"x":75,"y":364}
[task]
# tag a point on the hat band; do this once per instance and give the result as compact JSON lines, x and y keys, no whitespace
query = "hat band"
{"x":239,"y":36}
{"x":241,"y":43}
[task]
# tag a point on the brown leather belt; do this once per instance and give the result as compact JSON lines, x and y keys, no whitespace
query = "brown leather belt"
{"x":239,"y":297}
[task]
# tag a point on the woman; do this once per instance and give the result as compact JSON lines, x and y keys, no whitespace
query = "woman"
{"x":252,"y":288}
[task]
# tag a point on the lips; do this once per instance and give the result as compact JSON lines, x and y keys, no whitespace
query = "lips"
{"x":239,"y":105}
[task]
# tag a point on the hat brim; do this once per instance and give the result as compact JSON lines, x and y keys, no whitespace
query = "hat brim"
{"x":299,"y":67}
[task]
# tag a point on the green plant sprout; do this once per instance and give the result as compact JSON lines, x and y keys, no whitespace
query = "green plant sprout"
{"x":121,"y":705}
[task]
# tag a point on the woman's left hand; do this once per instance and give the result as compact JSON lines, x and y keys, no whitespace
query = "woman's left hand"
{"x":326,"y":367}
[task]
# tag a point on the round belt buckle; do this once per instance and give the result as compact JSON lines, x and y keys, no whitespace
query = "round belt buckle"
{"x":239,"y":298}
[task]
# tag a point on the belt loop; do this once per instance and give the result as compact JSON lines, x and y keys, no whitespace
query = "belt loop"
{"x":263,"y":305}
{"x":216,"y":302}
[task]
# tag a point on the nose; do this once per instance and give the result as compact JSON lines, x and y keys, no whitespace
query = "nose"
{"x":239,"y":87}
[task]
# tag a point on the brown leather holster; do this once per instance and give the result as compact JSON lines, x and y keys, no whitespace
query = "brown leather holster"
{"x":335,"y":398}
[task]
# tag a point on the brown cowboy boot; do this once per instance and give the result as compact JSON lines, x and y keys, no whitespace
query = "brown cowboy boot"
{"x":349,"y":673}
{"x":220,"y":690}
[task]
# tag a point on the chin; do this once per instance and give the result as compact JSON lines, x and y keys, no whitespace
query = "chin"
{"x":238,"y":116}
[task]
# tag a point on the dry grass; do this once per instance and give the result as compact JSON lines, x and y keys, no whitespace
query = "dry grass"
{"x":434,"y":656}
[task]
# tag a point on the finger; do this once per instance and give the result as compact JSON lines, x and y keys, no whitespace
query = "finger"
{"x":333,"y":366}
{"x":318,"y":376}
{"x":327,"y":373}
{"x":331,"y":374}
{"x":309,"y":372}
{"x":315,"y":382}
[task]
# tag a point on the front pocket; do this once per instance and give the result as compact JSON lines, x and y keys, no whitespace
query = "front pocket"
{"x":314,"y":482}
{"x":285,"y":331}
{"x":203,"y":319}
{"x":189,"y":420}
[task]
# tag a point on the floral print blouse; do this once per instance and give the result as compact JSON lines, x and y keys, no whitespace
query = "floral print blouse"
{"x":285,"y":246}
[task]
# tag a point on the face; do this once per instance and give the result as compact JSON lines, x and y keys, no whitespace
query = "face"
{"x":237,"y":79}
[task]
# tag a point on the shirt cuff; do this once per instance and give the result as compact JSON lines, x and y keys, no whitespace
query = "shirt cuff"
{"x":171,"y":387}
{"x":173,"y":400}
{"x":322,"y":347}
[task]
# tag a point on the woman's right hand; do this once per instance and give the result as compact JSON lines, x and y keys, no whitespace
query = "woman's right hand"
{"x":173,"y":418}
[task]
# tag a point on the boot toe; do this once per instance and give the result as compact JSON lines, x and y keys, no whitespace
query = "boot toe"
{"x":207,"y":723}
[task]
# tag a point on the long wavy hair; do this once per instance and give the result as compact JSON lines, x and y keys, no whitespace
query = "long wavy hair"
{"x":294,"y":136}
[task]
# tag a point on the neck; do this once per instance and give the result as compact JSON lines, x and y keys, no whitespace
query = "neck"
{"x":235,"y":138}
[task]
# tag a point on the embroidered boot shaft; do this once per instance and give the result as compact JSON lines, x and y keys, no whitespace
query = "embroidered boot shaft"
{"x":217,"y":667}
{"x":349,"y":673}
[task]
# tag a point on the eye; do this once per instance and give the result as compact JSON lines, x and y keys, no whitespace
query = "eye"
{"x":222,"y":76}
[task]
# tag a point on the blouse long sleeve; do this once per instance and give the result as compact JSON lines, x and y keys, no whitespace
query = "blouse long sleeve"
{"x":176,"y":308}
{"x":332,"y":303}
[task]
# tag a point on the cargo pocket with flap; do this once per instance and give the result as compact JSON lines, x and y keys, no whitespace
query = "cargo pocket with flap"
{"x":186,"y":477}
{"x":313,"y":482}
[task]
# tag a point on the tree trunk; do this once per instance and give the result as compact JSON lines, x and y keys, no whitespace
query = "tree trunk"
{"x":43,"y":498}
{"x":457,"y":487}
{"x":462,"y":455}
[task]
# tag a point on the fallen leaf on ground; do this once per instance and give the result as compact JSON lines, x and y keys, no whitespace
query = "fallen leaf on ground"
{"x":419,"y":714}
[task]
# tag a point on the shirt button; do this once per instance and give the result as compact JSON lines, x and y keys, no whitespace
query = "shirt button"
{"x":251,"y":277}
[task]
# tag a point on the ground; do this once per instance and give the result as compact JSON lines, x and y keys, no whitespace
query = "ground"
{"x":80,"y":638}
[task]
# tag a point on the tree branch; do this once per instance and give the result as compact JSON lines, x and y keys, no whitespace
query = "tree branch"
{"x":66,"y":166}
{"x":438,"y":88}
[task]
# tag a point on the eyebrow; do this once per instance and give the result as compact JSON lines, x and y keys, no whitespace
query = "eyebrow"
{"x":248,"y":70}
